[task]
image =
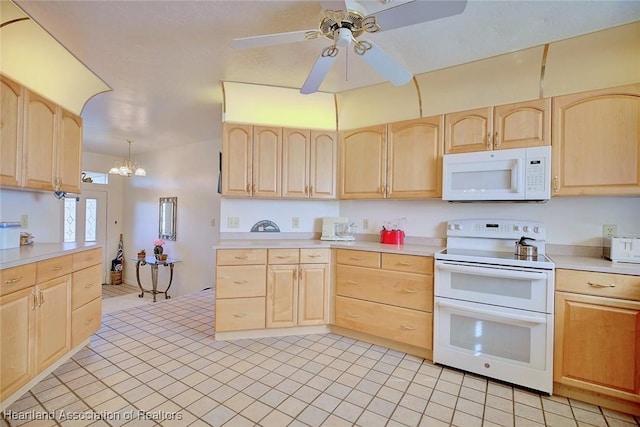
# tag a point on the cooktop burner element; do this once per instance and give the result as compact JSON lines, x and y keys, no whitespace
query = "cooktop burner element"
{"x":493,"y":241}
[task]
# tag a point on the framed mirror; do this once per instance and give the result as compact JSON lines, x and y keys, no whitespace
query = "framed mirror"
{"x":167,"y":218}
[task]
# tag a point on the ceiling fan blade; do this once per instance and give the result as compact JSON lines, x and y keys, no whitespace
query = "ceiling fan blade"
{"x":418,"y":11}
{"x":317,"y":73}
{"x":270,"y":39}
{"x":385,"y":65}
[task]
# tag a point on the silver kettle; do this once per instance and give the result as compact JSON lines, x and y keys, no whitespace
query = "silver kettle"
{"x":524,"y":250}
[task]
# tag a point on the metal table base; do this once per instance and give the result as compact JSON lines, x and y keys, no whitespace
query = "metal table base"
{"x":153,"y":263}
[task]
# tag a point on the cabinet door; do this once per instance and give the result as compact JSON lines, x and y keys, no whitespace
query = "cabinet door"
{"x":323,"y":165}
{"x":282,"y":295}
{"x":267,"y":158}
{"x":40,"y":143}
{"x":69,"y":153}
{"x":596,"y":148}
{"x":312,"y":294}
{"x":597,"y":344}
{"x":237,"y":159}
{"x":525,"y":124}
{"x":469,"y":130}
{"x":53,"y":321}
{"x":295,"y":163}
{"x":415,"y":158}
{"x":16,"y":331}
{"x":363,"y":160}
{"x":11,"y":114}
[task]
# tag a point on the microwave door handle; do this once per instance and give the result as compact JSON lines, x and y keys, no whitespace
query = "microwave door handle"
{"x":493,"y":272}
{"x":489,"y":314}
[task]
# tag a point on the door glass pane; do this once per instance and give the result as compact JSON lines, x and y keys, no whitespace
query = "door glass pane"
{"x":510,"y":342}
{"x":488,"y":285}
{"x":70,"y":206}
{"x":91,"y":224}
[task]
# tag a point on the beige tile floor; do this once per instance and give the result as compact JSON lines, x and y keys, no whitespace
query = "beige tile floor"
{"x":157,"y":364}
{"x":111,"y":291}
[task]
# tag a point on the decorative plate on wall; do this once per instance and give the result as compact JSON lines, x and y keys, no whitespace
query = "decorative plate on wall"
{"x":265,"y":226}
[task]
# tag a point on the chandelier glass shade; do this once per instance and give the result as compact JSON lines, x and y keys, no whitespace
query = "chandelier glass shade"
{"x":128,"y":167}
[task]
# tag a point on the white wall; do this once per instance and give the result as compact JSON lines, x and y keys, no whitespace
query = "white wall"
{"x":189,"y":173}
{"x":569,"y":221}
{"x":43,"y":209}
{"x":250,"y":211}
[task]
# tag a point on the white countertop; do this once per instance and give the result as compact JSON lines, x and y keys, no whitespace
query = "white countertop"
{"x":40,"y":251}
{"x":586,"y":263}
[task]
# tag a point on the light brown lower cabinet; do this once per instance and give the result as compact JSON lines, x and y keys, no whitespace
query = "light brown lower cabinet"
{"x":39,"y":323}
{"x":387,"y":296}
{"x":597,"y":339}
{"x":271,"y":288}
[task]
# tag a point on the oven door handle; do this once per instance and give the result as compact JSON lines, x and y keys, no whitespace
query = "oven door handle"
{"x":493,"y":271}
{"x":523,"y":320}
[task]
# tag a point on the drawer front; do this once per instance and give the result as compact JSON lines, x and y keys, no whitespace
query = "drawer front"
{"x":54,"y":267}
{"x":397,"y":324}
{"x":241,"y":281}
{"x":86,"y":285}
{"x":314,"y":256}
{"x":16,"y":278}
{"x":283,"y":256}
{"x":85,"y":321}
{"x":87,"y":258}
{"x":599,"y":284}
{"x":406,"y":290}
{"x":358,"y":258}
{"x":241,"y":256}
{"x":240,"y":314}
{"x":408,"y":263}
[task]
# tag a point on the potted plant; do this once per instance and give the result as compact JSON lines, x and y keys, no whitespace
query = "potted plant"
{"x":142,"y":254}
{"x":158,"y":247}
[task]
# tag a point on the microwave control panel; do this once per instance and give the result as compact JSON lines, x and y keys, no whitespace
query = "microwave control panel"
{"x":537,"y":173}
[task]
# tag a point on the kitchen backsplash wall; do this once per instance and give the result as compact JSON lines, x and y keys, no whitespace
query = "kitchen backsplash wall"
{"x":569,"y":221}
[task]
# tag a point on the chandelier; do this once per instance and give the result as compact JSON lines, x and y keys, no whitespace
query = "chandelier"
{"x":128,"y":168}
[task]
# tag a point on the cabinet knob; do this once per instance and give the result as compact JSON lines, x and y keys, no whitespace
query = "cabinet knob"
{"x":496,"y":140}
{"x":240,"y":282}
{"x":306,"y":190}
{"x":489,"y":141}
{"x":555,"y":184}
{"x":239,"y":314}
{"x":408,"y":291}
{"x":353,"y":282}
{"x":311,"y":190}
{"x":88,"y":322}
{"x":355,"y":316}
{"x":15,"y":280}
{"x":408,"y":328}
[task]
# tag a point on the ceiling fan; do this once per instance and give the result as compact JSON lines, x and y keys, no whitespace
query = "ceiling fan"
{"x":344,"y":21}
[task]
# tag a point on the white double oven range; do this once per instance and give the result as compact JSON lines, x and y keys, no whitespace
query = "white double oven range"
{"x":493,"y":312}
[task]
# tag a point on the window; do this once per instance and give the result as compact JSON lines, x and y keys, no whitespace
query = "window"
{"x":72,"y":218}
{"x":70,"y":211}
{"x":96,"y":177}
{"x":91,"y":225}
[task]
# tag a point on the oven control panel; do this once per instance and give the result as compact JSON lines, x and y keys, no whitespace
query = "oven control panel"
{"x":495,"y":229}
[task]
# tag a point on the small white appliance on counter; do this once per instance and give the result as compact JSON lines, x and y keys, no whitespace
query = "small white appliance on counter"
{"x":522,"y":174}
{"x":9,"y":235}
{"x":337,"y":228}
{"x":622,"y":249}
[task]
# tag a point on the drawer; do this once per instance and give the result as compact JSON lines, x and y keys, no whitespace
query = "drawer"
{"x":408,"y":263}
{"x":314,"y":256}
{"x":283,"y":256}
{"x":86,"y":285}
{"x":406,"y":290}
{"x":85,"y":321}
{"x":240,"y":281}
{"x":358,"y":258}
{"x":397,"y":324}
{"x":54,"y":267}
{"x":599,"y":284}
{"x":87,"y":258}
{"x":241,"y":256}
{"x":16,"y":278}
{"x":239,"y":314}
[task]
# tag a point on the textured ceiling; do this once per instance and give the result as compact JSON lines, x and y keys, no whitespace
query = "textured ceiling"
{"x":165,"y":60}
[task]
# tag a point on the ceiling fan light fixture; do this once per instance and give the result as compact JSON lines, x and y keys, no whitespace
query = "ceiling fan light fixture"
{"x":343,"y":37}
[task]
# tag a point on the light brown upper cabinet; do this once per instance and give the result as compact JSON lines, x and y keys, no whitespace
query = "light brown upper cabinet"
{"x":251,"y":160}
{"x":398,"y":160}
{"x":523,"y":124}
{"x":41,"y":142}
{"x":414,"y":163}
{"x":12,"y":97}
{"x":596,"y":142}
{"x":309,"y":160}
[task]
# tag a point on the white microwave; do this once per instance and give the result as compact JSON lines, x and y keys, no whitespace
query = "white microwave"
{"x":516,"y":174}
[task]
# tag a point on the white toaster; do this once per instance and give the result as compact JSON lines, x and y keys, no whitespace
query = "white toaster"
{"x":622,"y":249}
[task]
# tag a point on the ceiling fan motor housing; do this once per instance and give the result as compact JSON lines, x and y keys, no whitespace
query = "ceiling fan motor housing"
{"x":342,"y":37}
